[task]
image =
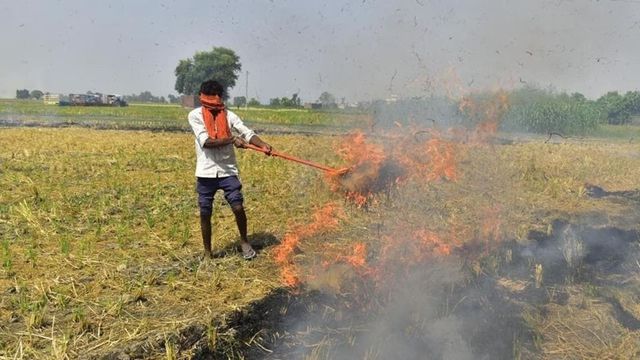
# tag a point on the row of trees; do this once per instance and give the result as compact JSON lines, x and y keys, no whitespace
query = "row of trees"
{"x":148,"y":97}
{"x":326,"y":99}
{"x":286,"y":102}
{"x":619,"y":109}
{"x":144,"y":96}
{"x":26,"y":94}
{"x":240,"y":101}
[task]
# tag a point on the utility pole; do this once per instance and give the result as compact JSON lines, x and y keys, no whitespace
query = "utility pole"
{"x":246,"y":93}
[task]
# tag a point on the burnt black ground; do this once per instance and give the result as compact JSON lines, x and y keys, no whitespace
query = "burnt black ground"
{"x":486,"y":317}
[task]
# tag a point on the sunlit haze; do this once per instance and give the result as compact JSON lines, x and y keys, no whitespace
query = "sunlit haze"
{"x":358,"y":50}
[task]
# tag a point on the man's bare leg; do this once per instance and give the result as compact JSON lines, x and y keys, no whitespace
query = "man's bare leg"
{"x":205,"y":228}
{"x":241,"y":221}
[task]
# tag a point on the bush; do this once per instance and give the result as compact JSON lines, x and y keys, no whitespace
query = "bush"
{"x":618,"y":109}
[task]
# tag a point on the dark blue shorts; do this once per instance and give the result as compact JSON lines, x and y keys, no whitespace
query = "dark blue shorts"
{"x":207,"y":188}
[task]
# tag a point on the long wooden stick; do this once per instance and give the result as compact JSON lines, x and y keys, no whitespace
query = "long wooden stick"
{"x":296,"y":159}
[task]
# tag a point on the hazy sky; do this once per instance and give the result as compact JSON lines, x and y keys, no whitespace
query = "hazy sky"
{"x":355,"y":49}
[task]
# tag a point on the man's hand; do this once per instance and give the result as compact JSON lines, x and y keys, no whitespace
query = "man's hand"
{"x":268,"y":148}
{"x":255,"y":140}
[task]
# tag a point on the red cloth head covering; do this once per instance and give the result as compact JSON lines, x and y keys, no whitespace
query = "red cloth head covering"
{"x":215,"y":116}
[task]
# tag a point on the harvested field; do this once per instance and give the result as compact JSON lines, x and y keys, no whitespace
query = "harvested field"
{"x":100,"y":253}
{"x":163,"y":117}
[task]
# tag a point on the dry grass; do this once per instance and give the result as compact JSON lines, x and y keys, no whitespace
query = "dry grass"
{"x":100,"y":243}
{"x":584,"y":328}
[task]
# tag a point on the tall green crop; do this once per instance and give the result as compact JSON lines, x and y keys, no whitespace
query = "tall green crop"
{"x":543,"y":112}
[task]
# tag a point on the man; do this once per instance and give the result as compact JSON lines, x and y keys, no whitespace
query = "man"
{"x":216,"y":166}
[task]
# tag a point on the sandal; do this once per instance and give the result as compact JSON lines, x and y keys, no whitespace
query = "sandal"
{"x":248,"y":254}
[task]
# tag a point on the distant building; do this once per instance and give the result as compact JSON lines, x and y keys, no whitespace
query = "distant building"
{"x":393,"y":98}
{"x":190,"y":101}
{"x":315,"y":105}
{"x":51,"y":99}
{"x":96,"y":99}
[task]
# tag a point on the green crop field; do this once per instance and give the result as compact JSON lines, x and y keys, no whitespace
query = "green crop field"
{"x":162,"y":117}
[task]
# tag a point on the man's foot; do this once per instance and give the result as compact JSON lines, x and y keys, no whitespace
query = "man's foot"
{"x":247,"y":251}
{"x":207,"y":255}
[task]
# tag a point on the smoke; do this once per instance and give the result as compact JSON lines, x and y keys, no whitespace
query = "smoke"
{"x":429,"y":112}
{"x":414,"y":321}
{"x":419,"y":292}
{"x":434,"y":310}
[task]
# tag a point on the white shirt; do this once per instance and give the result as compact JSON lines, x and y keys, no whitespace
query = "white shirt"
{"x":220,"y":161}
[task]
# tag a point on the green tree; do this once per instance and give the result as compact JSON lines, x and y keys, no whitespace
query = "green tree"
{"x":173,"y":99}
{"x":578,"y":97}
{"x":616,"y":108}
{"x":275,"y":102}
{"x":22,"y":94}
{"x":145,"y":97}
{"x":254,"y":102}
{"x":219,"y":64}
{"x":295,"y":100}
{"x":327,"y":99}
{"x":36,"y":94}
{"x":632,"y":98}
{"x":285,"y":102}
{"x":239,"y":101}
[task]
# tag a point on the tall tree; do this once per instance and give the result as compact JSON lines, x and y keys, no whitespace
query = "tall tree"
{"x":36,"y":94}
{"x":173,"y":99}
{"x":327,"y":99}
{"x":275,"y":102}
{"x":254,"y":102}
{"x":22,"y":94}
{"x":219,"y":64}
{"x":616,"y":107}
{"x":632,"y":98}
{"x":239,"y":101}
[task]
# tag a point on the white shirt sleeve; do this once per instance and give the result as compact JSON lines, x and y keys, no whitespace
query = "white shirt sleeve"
{"x":197,"y":125}
{"x":236,"y":123}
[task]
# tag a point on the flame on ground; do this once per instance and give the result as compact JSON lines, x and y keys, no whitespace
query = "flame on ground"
{"x":486,"y":113}
{"x":324,"y":219}
{"x":376,"y":167}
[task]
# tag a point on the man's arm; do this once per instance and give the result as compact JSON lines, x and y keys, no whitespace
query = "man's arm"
{"x":214,"y":143}
{"x":247,"y":135}
{"x":255,"y":140}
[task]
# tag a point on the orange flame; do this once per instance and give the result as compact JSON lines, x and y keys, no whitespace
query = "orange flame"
{"x":359,"y":257}
{"x":325,"y":219}
{"x":366,"y":160}
{"x":486,"y":113}
{"x":374,"y":168}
